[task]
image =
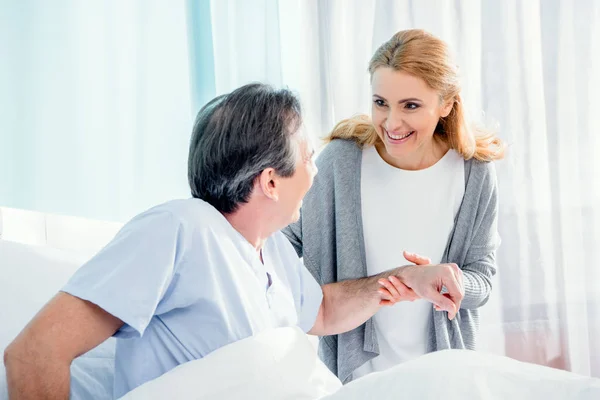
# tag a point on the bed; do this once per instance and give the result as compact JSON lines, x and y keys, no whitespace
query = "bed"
{"x":39,"y":252}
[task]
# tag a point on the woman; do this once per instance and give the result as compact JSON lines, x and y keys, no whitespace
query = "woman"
{"x":415,"y":176}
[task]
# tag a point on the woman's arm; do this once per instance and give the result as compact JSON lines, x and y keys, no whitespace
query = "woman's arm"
{"x":479,"y":265}
{"x":477,"y":278}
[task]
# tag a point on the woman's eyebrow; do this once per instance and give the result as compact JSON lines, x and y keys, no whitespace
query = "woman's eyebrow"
{"x":401,"y":101}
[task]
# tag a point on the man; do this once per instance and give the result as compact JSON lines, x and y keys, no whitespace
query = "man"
{"x":190,"y":276}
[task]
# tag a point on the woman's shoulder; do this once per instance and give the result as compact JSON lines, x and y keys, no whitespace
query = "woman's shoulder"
{"x":346,"y":151}
{"x":484,"y":168}
{"x":337,"y":162}
{"x":482,"y":172}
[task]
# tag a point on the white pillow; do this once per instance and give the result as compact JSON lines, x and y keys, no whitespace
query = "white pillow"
{"x":22,"y":226}
{"x":79,"y":235}
{"x":278,"y":364}
{"x":30,"y":277}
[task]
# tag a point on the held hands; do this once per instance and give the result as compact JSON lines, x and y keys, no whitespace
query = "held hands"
{"x":393,"y":290}
{"x":424,"y":281}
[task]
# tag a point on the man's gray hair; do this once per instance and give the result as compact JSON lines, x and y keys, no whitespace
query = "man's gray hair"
{"x":237,"y":136}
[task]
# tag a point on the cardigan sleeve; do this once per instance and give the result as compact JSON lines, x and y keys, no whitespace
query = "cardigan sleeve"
{"x":480,"y":262}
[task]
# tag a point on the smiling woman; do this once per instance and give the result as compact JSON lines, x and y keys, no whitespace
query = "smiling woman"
{"x":378,"y":192}
{"x":414,"y":81}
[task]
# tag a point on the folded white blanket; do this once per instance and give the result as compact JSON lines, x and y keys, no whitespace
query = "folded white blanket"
{"x":278,"y":364}
{"x":281,"y":364}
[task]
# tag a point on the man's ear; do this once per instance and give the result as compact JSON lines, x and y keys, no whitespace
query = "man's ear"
{"x":268,"y":183}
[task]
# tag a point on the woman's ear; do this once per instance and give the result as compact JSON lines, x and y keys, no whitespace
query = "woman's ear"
{"x":446,"y":108}
{"x":268,"y":184}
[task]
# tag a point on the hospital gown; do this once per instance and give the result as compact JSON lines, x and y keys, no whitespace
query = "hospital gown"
{"x":186,"y":283}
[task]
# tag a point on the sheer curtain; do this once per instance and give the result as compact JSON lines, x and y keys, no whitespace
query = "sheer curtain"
{"x":96,"y":105}
{"x":527,"y":66}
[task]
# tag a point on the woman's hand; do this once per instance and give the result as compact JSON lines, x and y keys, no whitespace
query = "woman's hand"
{"x":427,"y":282}
{"x":393,"y":290}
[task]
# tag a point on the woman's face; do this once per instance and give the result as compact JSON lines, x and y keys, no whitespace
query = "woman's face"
{"x":405,"y":112}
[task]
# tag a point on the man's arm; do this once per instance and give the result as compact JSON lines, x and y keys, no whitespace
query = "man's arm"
{"x":349,"y":304}
{"x":38,"y":360}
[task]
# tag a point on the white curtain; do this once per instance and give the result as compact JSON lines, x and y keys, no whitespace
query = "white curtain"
{"x":95,"y":105}
{"x":529,"y":66}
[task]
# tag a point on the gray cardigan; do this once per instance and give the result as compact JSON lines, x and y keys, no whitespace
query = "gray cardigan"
{"x":329,"y":236}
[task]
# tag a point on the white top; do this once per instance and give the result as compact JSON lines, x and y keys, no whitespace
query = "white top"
{"x":186,"y":283}
{"x":413,"y":211}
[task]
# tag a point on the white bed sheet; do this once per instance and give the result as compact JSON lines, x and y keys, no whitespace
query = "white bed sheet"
{"x":275,"y":365}
{"x":464,"y":374}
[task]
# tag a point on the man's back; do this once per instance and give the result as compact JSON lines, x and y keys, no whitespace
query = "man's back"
{"x":186,"y":283}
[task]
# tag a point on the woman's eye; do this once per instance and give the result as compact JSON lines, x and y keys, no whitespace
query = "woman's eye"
{"x":380,"y":103}
{"x":411,"y":106}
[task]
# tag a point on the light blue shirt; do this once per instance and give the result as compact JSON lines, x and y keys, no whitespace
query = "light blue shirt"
{"x":185,"y":283}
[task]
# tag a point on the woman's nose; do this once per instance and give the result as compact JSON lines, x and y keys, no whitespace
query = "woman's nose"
{"x":394,"y":121}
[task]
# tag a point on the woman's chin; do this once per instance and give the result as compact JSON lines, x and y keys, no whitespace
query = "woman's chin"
{"x":396,"y":151}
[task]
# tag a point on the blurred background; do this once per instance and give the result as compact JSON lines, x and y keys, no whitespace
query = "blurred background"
{"x":97,"y":100}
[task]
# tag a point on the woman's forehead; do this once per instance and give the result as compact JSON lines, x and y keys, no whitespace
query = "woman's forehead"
{"x":387,"y":82}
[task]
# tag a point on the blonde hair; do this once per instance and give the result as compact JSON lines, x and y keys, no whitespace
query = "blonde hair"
{"x":423,"y":55}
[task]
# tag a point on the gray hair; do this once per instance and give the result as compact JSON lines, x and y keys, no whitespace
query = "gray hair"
{"x":236,"y":137}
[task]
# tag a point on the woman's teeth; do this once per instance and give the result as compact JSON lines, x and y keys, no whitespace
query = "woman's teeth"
{"x":398,"y":137}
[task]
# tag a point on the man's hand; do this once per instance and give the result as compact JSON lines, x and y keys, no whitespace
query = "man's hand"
{"x":38,"y":360}
{"x":394,"y":290}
